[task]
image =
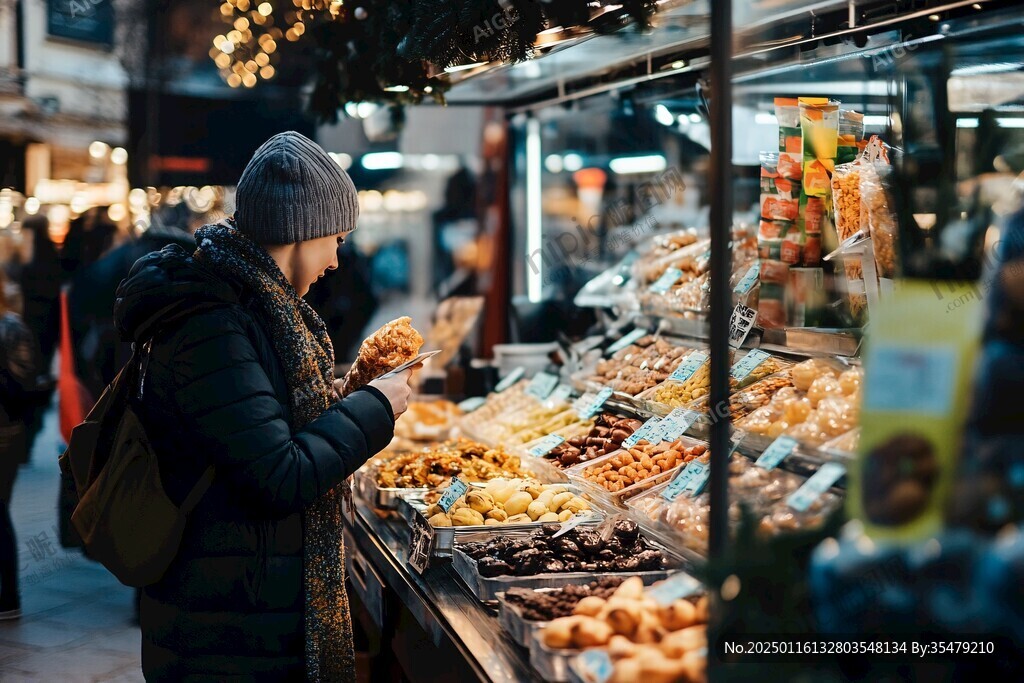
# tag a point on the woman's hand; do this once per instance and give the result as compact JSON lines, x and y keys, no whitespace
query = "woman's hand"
{"x":397,"y":389}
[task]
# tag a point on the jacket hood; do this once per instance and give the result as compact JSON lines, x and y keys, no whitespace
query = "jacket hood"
{"x":167,"y":283}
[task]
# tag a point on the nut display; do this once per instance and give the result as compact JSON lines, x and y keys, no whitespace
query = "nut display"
{"x":762,"y":492}
{"x":639,"y":366}
{"x":640,"y":462}
{"x":578,"y":550}
{"x":645,"y":641}
{"x":427,"y":420}
{"x":504,"y":501}
{"x":828,"y":407}
{"x":606,"y":436}
{"x":742,"y":403}
{"x":547,"y":605}
{"x":429,"y":467}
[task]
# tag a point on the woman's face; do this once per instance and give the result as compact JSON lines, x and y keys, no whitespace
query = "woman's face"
{"x":312,"y":259}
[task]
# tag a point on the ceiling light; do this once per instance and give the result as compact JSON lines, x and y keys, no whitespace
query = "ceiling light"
{"x":651,"y":163}
{"x":98,"y":150}
{"x":32,"y":206}
{"x":553,"y":163}
{"x":464,"y":67}
{"x":663,"y":116}
{"x":119,"y":156}
{"x":572,"y":162}
{"x":382,"y":161}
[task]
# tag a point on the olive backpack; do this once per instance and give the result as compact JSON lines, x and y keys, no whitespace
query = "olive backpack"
{"x":123,"y":515}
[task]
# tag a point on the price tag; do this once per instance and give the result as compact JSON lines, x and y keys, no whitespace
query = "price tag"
{"x":627,"y":340}
{"x":649,"y":431}
{"x":597,"y":665}
{"x":471,"y":404}
{"x":588,"y":410}
{"x":778,"y":451}
{"x":749,"y":280}
{"x":667,"y":279}
{"x":741,"y":322}
{"x":675,"y":587}
{"x":546,"y":445}
{"x":510,"y":379}
{"x":689,"y":366}
{"x":677,"y":423}
{"x":574,"y":522}
{"x":748,"y":363}
{"x":684,"y":479}
{"x":911,"y":379}
{"x":561,"y":394}
{"x":699,"y":480}
{"x":421,"y":543}
{"x":818,"y":483}
{"x":456,"y":489}
{"x":542,"y":384}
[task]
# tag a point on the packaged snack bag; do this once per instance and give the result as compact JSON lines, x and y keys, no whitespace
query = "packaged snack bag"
{"x":851,"y":133}
{"x":787,"y":112}
{"x":819,"y":124}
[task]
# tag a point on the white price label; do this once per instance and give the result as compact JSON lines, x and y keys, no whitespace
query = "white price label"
{"x":421,"y":543}
{"x":667,"y":279}
{"x":749,"y":280}
{"x":546,"y":445}
{"x":675,"y":587}
{"x":588,"y":410}
{"x":627,"y":340}
{"x":561,"y":394}
{"x":817,"y":484}
{"x":690,"y":365}
{"x":677,"y":423}
{"x":748,"y":364}
{"x":542,"y":384}
{"x":741,"y":322}
{"x":597,"y":664}
{"x":456,"y":489}
{"x":510,"y":379}
{"x":691,"y":478}
{"x":776,"y":452}
{"x":471,"y":404}
{"x":574,"y":522}
{"x":649,"y":431}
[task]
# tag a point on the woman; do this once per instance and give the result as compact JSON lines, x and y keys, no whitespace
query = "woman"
{"x":17,"y":378}
{"x":245,"y":383}
{"x":40,"y":287}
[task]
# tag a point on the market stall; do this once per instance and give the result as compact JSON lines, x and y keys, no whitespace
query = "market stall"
{"x":718,"y":392}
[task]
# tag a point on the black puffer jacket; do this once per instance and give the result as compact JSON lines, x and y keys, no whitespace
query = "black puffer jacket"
{"x":230,"y":607}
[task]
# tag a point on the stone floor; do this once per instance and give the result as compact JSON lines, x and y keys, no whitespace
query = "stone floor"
{"x":77,"y":619}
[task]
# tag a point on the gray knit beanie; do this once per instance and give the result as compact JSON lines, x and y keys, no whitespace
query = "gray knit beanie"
{"x":292,"y":191}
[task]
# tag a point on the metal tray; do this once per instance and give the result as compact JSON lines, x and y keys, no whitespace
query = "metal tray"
{"x":519,"y":628}
{"x":487,"y":589}
{"x":445,"y":536}
{"x":575,"y":474}
{"x":380,"y":497}
{"x":551,"y":665}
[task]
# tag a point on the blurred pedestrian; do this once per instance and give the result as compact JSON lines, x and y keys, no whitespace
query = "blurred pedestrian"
{"x":40,"y":289}
{"x":18,"y":368}
{"x":40,"y":286}
{"x":99,"y":352}
{"x":89,"y":237}
{"x":243,"y":383}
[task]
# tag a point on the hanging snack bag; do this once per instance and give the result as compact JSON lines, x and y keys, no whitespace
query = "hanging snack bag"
{"x":771,"y":307}
{"x":877,"y":208}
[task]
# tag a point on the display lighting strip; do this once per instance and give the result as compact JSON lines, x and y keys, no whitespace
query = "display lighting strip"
{"x":534,"y":213}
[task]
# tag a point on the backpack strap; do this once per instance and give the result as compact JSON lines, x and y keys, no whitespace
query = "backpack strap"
{"x":198,"y":491}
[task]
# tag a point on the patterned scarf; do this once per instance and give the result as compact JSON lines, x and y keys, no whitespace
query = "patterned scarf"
{"x":303,"y":347}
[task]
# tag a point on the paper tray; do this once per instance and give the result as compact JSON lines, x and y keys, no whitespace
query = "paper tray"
{"x":445,"y":536}
{"x":487,"y":589}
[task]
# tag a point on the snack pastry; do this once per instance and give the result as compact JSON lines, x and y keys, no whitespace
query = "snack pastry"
{"x":395,"y":343}
{"x":639,"y":366}
{"x":431,"y":466}
{"x":633,"y":465}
